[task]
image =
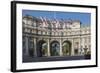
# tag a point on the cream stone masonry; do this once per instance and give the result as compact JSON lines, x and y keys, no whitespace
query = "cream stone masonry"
{"x":63,"y":38}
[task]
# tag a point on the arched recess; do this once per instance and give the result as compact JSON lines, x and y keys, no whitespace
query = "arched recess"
{"x":42,"y":48}
{"x":30,"y":47}
{"x":66,"y":48}
{"x":55,"y":48}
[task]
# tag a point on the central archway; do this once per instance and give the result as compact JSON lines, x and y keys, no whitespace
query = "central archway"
{"x":66,"y":48}
{"x":55,"y":48}
{"x":41,"y":48}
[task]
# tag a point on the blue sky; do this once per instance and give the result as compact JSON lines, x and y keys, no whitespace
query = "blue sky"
{"x":85,"y":18}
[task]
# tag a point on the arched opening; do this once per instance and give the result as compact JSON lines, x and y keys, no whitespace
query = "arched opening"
{"x":55,"y":48}
{"x":66,"y":48}
{"x":41,"y":48}
{"x":31,"y":47}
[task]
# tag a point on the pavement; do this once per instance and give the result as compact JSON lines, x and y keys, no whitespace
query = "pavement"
{"x":54,"y":58}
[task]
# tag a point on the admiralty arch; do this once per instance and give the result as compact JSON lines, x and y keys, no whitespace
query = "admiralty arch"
{"x":44,"y":37}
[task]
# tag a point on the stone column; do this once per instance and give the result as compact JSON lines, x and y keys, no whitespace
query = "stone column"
{"x":26,"y":46}
{"x":48,"y":47}
{"x":72,"y":50}
{"x":79,"y":46}
{"x":35,"y":46}
{"x":61,"y":47}
{"x":84,"y":43}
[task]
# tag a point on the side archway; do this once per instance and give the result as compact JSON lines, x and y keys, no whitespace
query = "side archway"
{"x":42,"y":48}
{"x":66,"y":48}
{"x":55,"y":48}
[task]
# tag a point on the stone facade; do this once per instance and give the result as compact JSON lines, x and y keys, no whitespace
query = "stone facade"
{"x":46,"y":37}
